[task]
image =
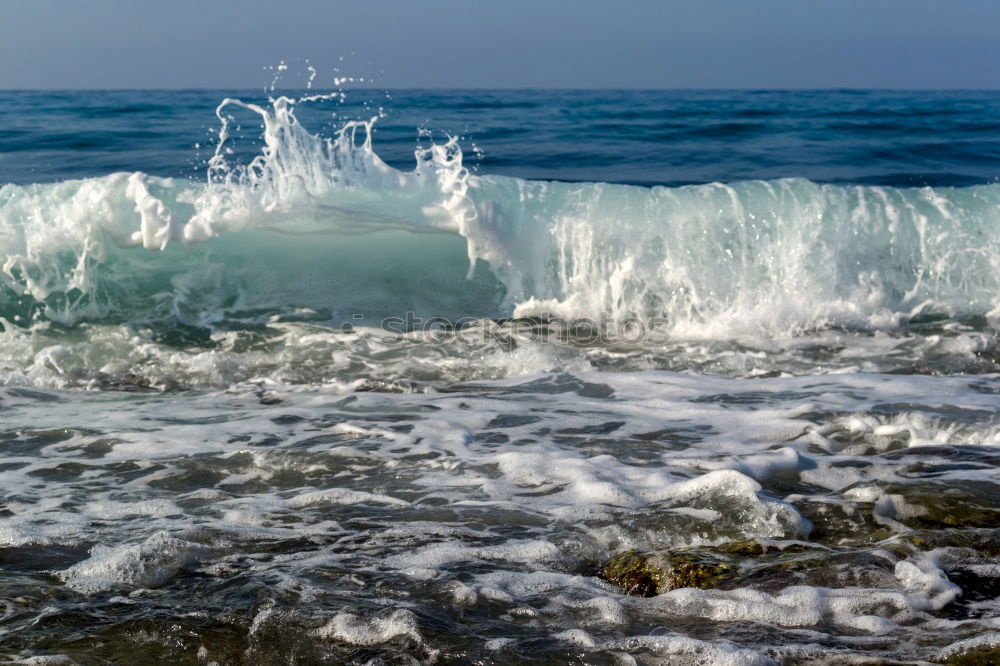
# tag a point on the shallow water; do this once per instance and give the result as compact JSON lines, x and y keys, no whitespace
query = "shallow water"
{"x":331,"y":408}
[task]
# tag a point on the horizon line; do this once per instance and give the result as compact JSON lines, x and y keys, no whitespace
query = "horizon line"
{"x":508,"y":89}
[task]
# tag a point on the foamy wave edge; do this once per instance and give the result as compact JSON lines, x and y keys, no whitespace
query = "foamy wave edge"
{"x":714,"y":260}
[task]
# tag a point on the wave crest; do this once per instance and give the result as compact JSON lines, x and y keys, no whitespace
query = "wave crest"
{"x":325,"y":224}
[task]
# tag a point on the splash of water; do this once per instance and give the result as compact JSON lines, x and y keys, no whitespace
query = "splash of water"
{"x":778,"y":257}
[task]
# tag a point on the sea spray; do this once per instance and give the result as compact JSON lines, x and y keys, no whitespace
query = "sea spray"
{"x":717,"y":260}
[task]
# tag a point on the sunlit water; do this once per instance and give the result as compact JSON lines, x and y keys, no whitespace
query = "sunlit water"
{"x":618,"y":377}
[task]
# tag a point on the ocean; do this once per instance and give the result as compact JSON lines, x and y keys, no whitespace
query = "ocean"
{"x":499,"y":377}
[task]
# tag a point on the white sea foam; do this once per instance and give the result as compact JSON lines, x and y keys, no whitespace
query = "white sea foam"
{"x":497,"y":505}
{"x":148,"y":564}
{"x":358,"y":631}
{"x":713,"y":261}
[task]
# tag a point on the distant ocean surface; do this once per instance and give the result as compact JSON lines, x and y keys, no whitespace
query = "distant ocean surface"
{"x":635,"y":137}
{"x":418,"y":376}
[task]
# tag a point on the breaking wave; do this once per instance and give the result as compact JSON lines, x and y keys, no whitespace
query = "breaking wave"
{"x":323,"y":226}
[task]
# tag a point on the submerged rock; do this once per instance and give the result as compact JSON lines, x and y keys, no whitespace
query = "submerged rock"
{"x":747,"y":564}
{"x":983,"y":542}
{"x":956,"y":510}
{"x":939,"y":504}
{"x":968,"y":556}
{"x":839,"y":522}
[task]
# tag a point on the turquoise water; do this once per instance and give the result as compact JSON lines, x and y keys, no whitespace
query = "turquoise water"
{"x":406,"y":376}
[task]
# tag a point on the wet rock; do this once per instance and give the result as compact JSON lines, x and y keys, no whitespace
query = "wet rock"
{"x":986,"y":655}
{"x":647,"y":575}
{"x":745,"y":548}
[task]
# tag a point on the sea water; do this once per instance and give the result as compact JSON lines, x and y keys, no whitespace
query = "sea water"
{"x":623,"y":377}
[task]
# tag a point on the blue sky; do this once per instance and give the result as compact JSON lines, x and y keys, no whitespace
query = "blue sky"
{"x":509,"y":43}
